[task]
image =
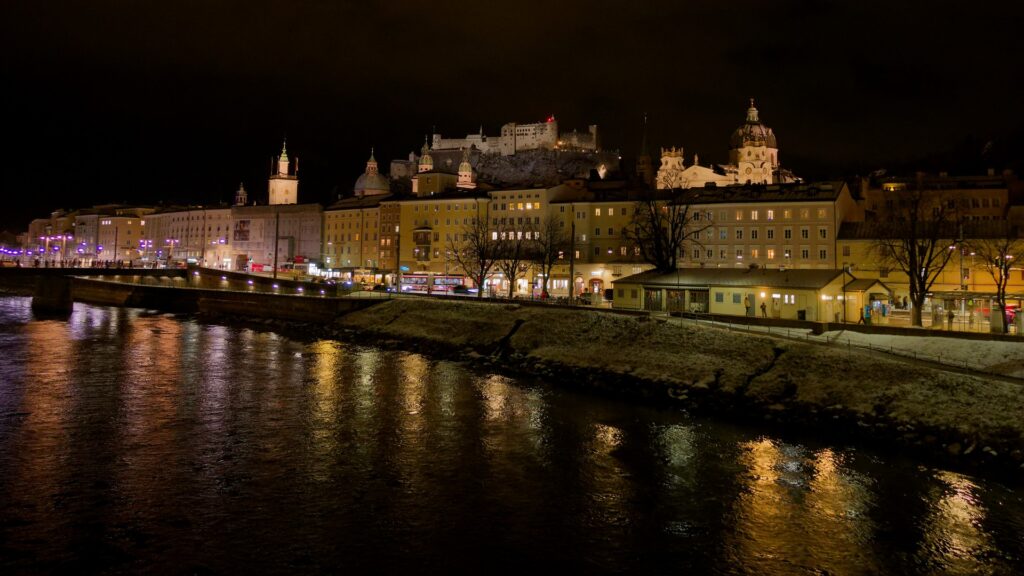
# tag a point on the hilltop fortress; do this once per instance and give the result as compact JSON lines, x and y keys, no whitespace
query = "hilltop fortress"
{"x":521,"y":137}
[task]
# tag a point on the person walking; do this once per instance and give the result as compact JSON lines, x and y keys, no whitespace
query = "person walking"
{"x":764,"y":310}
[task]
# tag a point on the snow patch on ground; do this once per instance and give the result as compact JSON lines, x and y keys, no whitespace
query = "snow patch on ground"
{"x":993,"y":356}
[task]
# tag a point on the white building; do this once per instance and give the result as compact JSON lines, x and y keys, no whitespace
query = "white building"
{"x":753,"y":159}
{"x":518,"y":137}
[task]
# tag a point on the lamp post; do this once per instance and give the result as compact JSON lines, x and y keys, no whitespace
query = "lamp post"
{"x":398,"y":259}
{"x":572,"y":252}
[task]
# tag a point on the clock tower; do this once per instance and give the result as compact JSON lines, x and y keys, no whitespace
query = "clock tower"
{"x":284,"y":187}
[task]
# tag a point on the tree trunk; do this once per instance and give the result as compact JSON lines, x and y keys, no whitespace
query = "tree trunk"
{"x":915,"y":313}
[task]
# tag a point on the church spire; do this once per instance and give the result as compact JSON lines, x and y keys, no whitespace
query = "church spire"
{"x":644,"y":166}
{"x":752,"y":113}
{"x":371,"y":164}
{"x":282,"y":160}
{"x":643,"y":139}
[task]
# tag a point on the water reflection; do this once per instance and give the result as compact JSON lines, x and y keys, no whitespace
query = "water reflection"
{"x":139,"y":441}
{"x":801,"y":510}
{"x":954,"y":534}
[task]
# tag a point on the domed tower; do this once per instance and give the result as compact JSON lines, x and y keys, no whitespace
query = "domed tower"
{"x":754,"y":151}
{"x":465,"y":173}
{"x":241,"y":196}
{"x":371,"y":183}
{"x":284,"y":187}
{"x":426,"y":161}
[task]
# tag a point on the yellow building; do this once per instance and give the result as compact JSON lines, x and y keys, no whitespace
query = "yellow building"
{"x":427,"y":230}
{"x":773,"y":226}
{"x":351,"y":237}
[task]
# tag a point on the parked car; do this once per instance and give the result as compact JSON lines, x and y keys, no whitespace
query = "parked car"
{"x":383,"y":288}
{"x":463,"y":289}
{"x":1011,"y":312}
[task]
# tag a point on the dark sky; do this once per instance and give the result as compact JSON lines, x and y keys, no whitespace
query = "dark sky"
{"x":113,"y":100}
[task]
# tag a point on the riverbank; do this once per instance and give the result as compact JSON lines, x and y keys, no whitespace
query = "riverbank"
{"x":962,"y":419}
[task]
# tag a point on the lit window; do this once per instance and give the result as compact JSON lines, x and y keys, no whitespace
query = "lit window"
{"x":597,"y":211}
{"x":771,"y":214}
{"x":753,"y":214}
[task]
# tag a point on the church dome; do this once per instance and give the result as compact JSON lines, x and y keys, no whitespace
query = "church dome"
{"x":753,"y":132}
{"x":371,"y":183}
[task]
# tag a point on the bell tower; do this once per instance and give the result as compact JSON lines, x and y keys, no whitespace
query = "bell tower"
{"x":284,"y":187}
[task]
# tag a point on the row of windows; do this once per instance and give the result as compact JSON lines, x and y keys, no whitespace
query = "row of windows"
{"x":516,"y":206}
{"x":754,"y":233}
{"x":437,"y":208}
{"x":520,"y":235}
{"x":447,"y":221}
{"x":755,"y":215}
{"x":349,"y":238}
{"x":755,"y":253}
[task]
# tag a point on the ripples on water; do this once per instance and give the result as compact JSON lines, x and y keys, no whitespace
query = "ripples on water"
{"x":135,"y":442}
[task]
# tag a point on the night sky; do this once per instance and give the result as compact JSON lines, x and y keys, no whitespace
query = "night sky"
{"x":111,"y":100}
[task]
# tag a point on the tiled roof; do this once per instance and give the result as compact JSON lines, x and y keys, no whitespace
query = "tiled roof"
{"x":700,"y":277}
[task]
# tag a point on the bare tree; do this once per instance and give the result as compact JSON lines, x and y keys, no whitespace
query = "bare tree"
{"x":663,"y":225}
{"x":515,"y":253}
{"x":551,"y":242}
{"x":915,"y":233}
{"x":998,"y":255}
{"x":477,"y":253}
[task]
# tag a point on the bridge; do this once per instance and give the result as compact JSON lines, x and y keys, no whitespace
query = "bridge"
{"x":194,"y":289}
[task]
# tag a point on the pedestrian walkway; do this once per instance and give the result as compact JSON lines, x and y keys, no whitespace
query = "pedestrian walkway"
{"x":1002,"y":358}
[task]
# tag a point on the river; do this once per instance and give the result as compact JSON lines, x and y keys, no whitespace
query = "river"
{"x":137,"y":442}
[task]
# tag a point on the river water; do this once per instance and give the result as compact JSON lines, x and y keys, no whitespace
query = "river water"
{"x":135,"y":442}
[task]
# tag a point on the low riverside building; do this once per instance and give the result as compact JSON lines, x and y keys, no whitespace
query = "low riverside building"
{"x":815,"y":295}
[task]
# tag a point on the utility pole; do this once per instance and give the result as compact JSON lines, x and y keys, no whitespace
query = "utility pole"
{"x":277,"y":224}
{"x":398,"y":258}
{"x":572,"y":252}
{"x":960,"y":273}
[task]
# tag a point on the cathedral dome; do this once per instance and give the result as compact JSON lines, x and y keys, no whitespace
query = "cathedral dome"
{"x":753,"y":132}
{"x":371,"y":183}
